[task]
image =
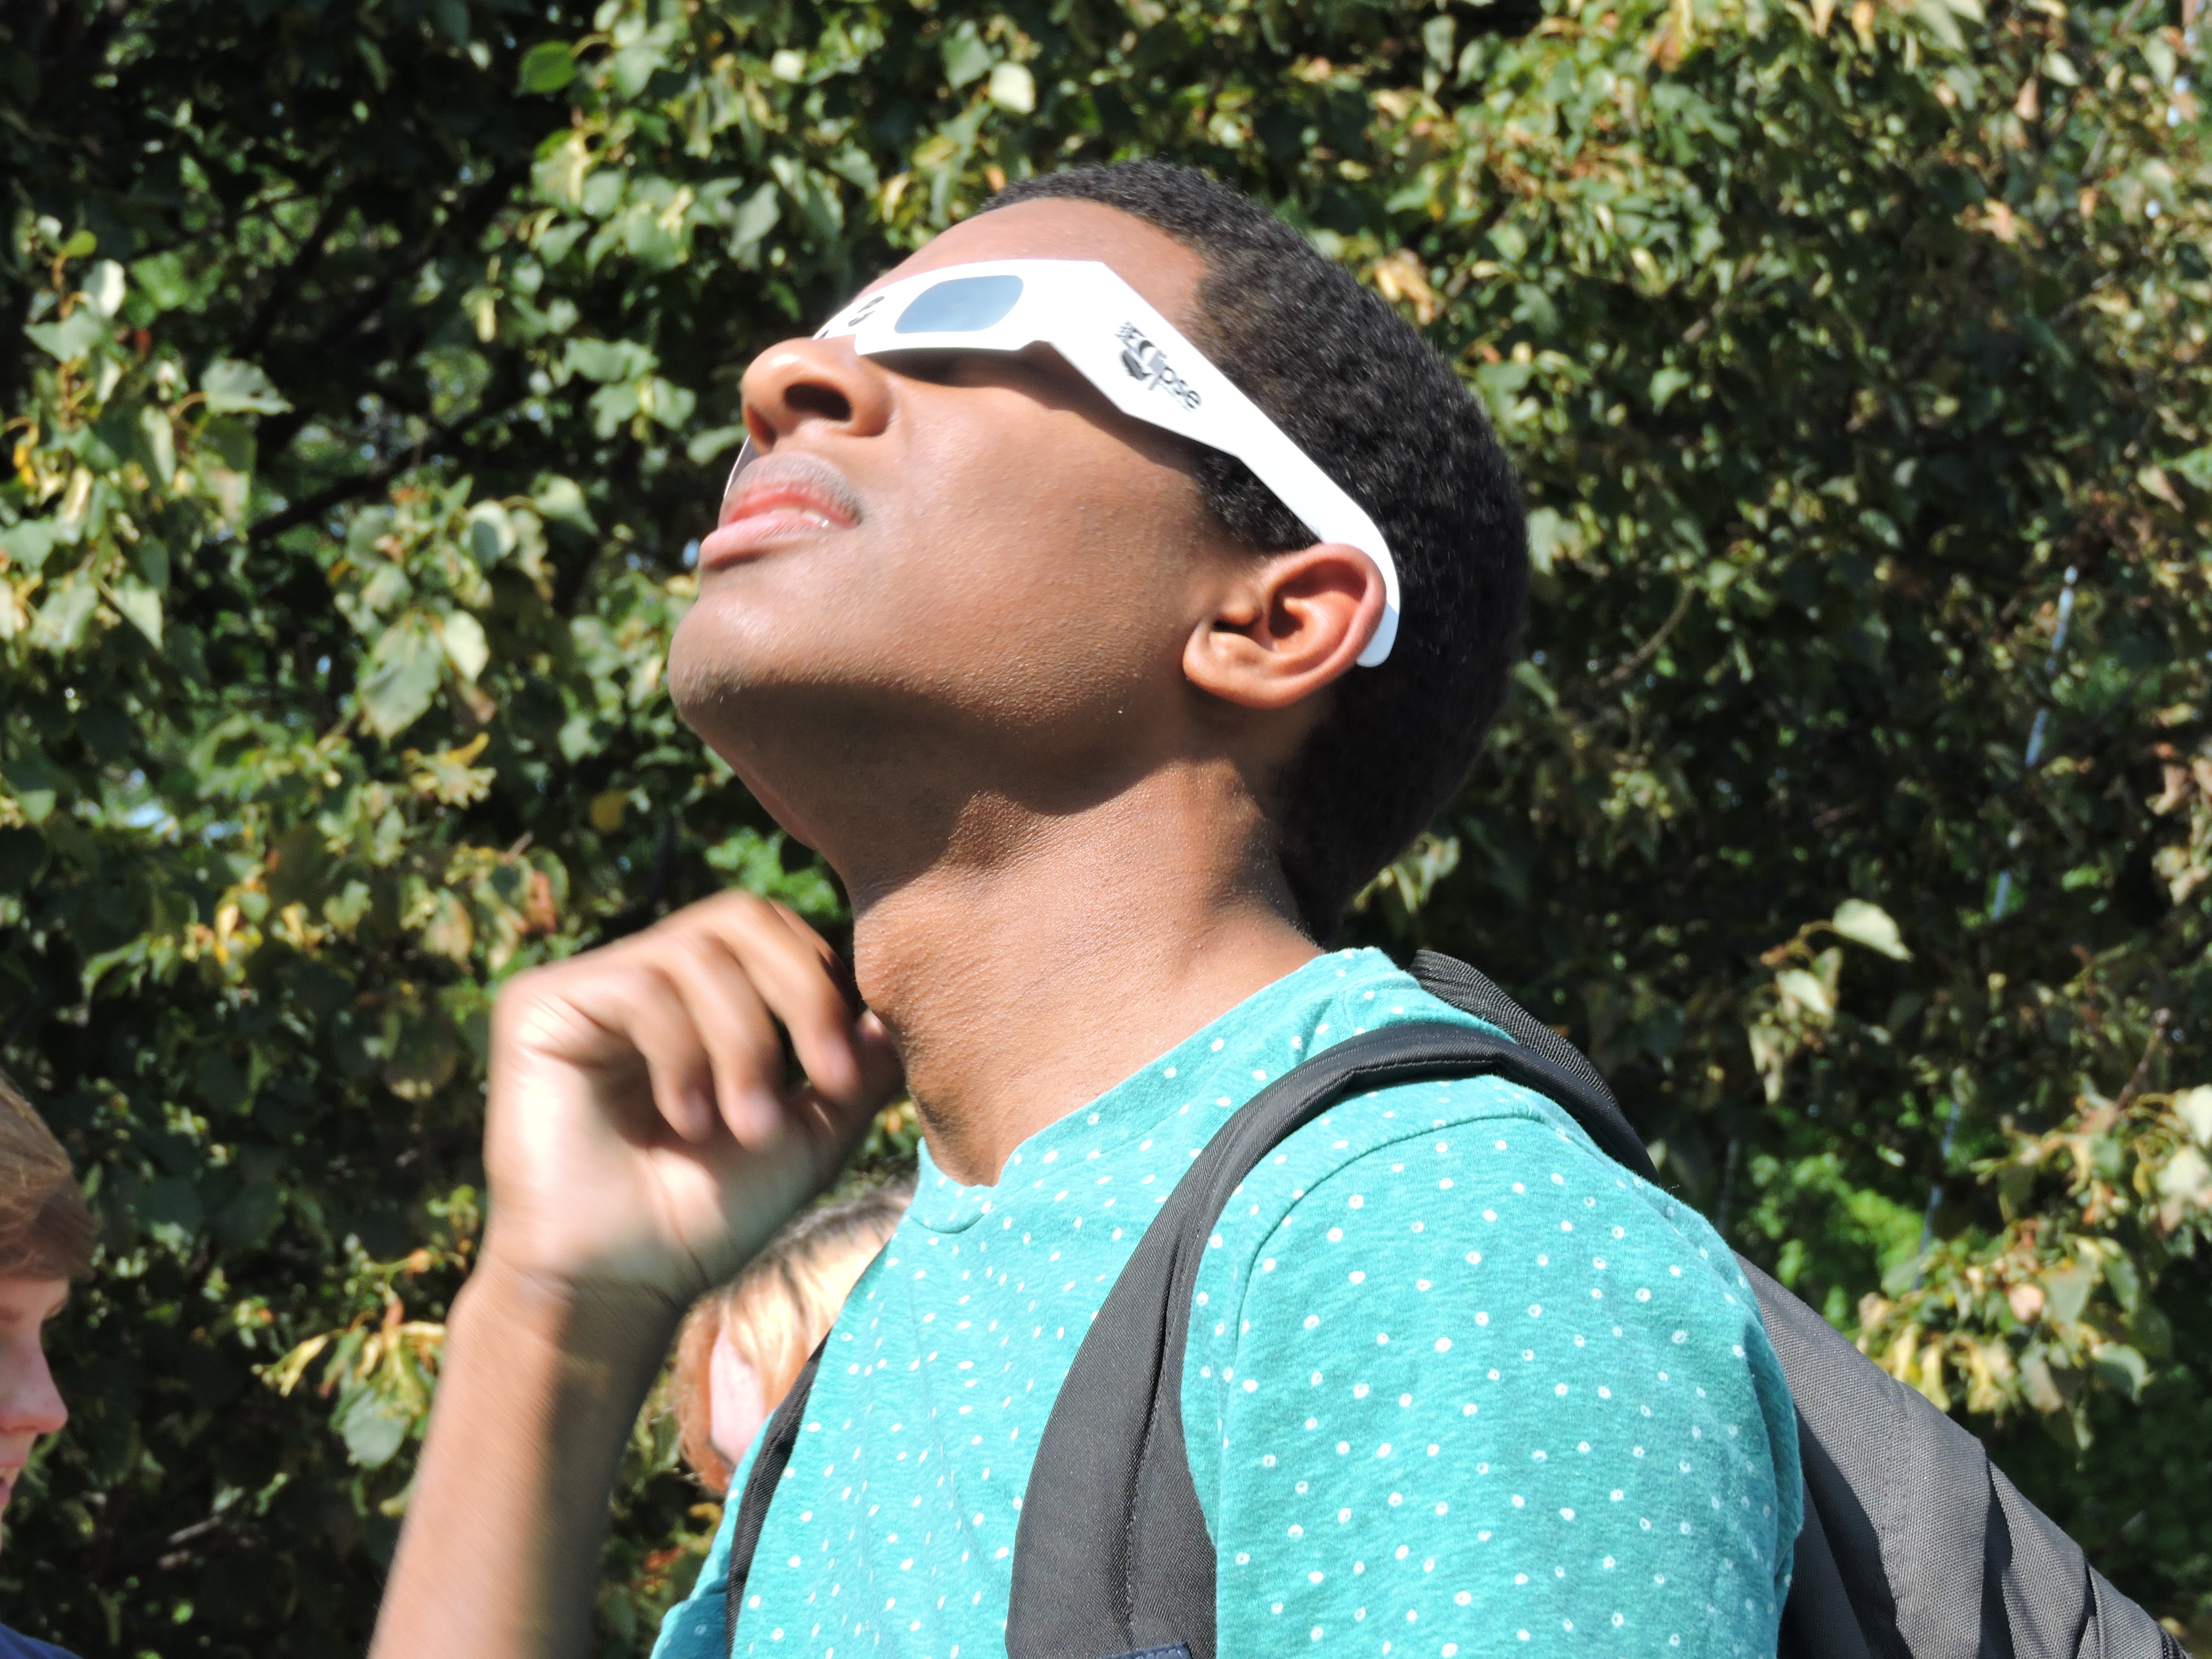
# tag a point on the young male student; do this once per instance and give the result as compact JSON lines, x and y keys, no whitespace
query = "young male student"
{"x":46,"y":1236}
{"x":1101,"y":736}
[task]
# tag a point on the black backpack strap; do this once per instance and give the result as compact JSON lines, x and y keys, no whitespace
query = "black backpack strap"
{"x":777,"y":1440}
{"x":1472,"y":992}
{"x":1111,"y":1555}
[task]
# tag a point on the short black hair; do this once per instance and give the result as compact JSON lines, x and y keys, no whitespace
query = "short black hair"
{"x":1355,"y":386}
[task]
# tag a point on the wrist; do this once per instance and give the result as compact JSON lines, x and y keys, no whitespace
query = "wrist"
{"x":621,"y":1326}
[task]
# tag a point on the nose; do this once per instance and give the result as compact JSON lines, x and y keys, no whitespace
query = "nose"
{"x":29,"y":1402}
{"x":822,"y":384}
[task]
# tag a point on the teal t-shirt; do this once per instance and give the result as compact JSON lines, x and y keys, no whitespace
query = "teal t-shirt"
{"x":1456,"y":1382}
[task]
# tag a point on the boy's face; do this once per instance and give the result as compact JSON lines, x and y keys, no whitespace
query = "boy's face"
{"x":966,"y":558}
{"x":29,"y":1405}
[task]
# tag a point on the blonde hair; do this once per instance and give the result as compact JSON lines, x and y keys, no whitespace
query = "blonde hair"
{"x":777,"y":1310}
{"x":47,"y":1232}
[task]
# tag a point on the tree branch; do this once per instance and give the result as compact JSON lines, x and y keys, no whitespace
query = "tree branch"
{"x":286,"y":289}
{"x":1631,"y":666}
{"x":2165,"y":1017}
{"x":442,"y":442}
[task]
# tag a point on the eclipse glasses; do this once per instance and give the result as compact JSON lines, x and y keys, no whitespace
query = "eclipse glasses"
{"x":1141,"y":361}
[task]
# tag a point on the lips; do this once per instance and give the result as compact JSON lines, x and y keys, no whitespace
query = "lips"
{"x":776,"y":500}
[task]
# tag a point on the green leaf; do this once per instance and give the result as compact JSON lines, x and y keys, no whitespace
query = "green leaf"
{"x":1870,"y":924}
{"x":608,"y":360}
{"x":965,"y":55}
{"x":162,"y":280}
{"x":452,"y":20}
{"x":140,"y":604}
{"x":714,"y":442}
{"x":1937,"y":17}
{"x":64,"y":617}
{"x":171,"y":1209}
{"x":373,"y":1427}
{"x":36,"y":783}
{"x":2068,"y":1288}
{"x":2195,"y":467}
{"x":754,"y":862}
{"x":405,"y":672}
{"x":73,"y":337}
{"x":27,"y":545}
{"x":2120,"y":1367}
{"x":559,"y":501}
{"x":755,"y":218}
{"x":232,"y":387}
{"x":1665,"y":383}
{"x":548,"y":66}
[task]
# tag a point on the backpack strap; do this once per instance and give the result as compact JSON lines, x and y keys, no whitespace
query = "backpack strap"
{"x":777,"y":1440}
{"x":1111,"y":1555}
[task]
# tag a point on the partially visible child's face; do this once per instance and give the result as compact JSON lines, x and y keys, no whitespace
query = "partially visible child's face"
{"x":29,"y":1404}
{"x":735,"y":1407}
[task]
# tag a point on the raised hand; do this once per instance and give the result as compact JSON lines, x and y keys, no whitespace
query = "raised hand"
{"x":642,"y":1142}
{"x":642,"y":1136}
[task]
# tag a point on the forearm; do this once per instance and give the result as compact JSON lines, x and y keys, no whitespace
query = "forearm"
{"x":499,"y":1557}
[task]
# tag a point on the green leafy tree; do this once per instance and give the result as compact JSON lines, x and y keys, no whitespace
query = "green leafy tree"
{"x":367,"y":371}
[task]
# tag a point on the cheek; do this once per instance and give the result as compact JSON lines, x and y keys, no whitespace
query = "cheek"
{"x":736,"y":1410}
{"x":29,"y":1402}
{"x":1016,"y":558}
{"x":1050,"y":535}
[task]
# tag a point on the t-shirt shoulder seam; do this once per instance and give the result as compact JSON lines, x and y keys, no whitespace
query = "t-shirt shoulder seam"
{"x":1246,"y":1278}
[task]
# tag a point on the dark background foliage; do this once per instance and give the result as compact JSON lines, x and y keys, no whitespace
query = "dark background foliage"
{"x":369,"y":366}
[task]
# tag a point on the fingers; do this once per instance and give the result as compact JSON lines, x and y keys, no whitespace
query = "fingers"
{"x":799,"y":979}
{"x":735,"y":1032}
{"x":739,"y":967}
{"x":644,"y":1008}
{"x":702,"y":1000}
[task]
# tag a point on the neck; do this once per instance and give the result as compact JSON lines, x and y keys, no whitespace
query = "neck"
{"x":1041,"y":959}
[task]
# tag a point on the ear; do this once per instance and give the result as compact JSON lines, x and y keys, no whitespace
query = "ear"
{"x":1281,"y":628}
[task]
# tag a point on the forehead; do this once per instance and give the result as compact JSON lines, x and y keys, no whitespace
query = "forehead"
{"x":1144,"y":256}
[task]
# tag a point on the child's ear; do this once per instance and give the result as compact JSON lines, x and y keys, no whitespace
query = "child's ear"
{"x":1280,"y":629}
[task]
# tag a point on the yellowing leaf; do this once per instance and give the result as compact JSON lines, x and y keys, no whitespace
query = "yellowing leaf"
{"x":1013,"y":87}
{"x":450,"y":933}
{"x":2195,"y":1108}
{"x":466,"y":649}
{"x":1804,"y":987}
{"x":1870,"y":924}
{"x":104,"y":287}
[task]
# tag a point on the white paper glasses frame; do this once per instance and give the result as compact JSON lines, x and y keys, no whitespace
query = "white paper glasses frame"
{"x":1132,"y":354}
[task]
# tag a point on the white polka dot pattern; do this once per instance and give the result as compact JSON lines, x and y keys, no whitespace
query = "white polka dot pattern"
{"x":1414,"y":1428}
{"x":1505,"y":1393}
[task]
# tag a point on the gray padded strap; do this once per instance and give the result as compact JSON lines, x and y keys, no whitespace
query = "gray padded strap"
{"x":1939,"y":1554}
